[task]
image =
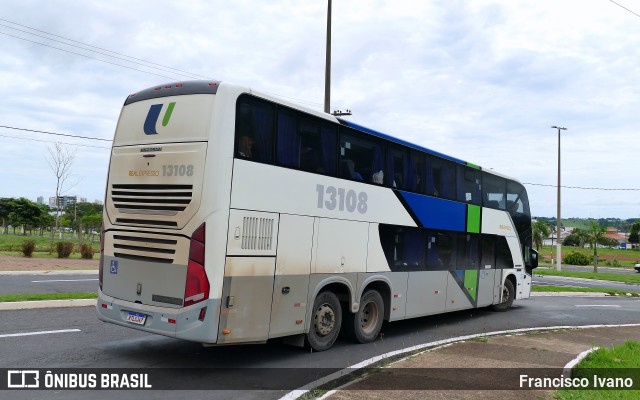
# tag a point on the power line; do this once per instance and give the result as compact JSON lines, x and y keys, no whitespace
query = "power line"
{"x":620,"y":5}
{"x":95,"y":47}
{"x":52,"y":141}
{"x":583,"y":188}
{"x":53,"y":133}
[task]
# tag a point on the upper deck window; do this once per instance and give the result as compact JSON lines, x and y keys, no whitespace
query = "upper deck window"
{"x":254,"y":129}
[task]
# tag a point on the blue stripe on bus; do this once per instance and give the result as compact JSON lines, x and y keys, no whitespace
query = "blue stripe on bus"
{"x":400,"y":141}
{"x":436,"y":213}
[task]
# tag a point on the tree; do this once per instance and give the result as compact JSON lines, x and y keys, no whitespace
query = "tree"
{"x":634,"y":235}
{"x":24,"y":212}
{"x":540,"y":231}
{"x":595,"y":236}
{"x":6,"y":207}
{"x":60,"y":160}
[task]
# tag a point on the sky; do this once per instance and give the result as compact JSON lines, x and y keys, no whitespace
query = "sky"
{"x":479,"y":80}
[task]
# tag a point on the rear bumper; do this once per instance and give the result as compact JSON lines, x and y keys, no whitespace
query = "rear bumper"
{"x":160,"y":320}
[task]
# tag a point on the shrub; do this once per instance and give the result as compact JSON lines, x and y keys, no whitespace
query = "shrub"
{"x":86,"y":251}
{"x":614,"y":263}
{"x":64,"y":249}
{"x":28,"y":246}
{"x":576,"y":258}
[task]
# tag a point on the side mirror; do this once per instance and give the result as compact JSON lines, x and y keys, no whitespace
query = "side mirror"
{"x":533,"y":261}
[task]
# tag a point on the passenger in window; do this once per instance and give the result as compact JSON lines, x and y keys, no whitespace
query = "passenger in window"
{"x":378,"y":177}
{"x":310,"y":160}
{"x":245,"y":146}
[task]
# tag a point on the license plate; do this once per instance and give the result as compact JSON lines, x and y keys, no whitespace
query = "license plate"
{"x":136,"y":318}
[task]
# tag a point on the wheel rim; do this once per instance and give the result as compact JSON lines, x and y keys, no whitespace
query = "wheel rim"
{"x":324,"y":320}
{"x":369,"y":317}
{"x":505,"y":294}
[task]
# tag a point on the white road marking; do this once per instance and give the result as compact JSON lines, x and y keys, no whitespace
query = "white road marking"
{"x":597,"y":305}
{"x":66,"y":280}
{"x":38,"y":333}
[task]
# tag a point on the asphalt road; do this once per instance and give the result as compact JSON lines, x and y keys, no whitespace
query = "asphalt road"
{"x":100,"y":345}
{"x":12,"y":284}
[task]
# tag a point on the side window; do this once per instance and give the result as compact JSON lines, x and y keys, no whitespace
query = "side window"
{"x":403,"y":247}
{"x":254,"y":129}
{"x":494,"y":191}
{"x":468,"y":256}
{"x":441,"y":180}
{"x":361,"y":157}
{"x":416,"y":173}
{"x":469,"y":187}
{"x":441,"y":250}
{"x":304,"y":143}
{"x":488,"y":249}
{"x":397,"y":167}
{"x":503,"y":254}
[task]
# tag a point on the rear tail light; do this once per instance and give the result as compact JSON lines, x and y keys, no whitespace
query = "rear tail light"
{"x":197,"y":285}
{"x":100,"y":267}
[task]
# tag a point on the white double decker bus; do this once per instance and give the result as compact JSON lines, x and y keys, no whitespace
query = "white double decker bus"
{"x":235,"y":217}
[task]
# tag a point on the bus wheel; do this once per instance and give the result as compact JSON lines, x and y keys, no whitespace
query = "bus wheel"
{"x":364,"y":326}
{"x":508,"y":294}
{"x":325,"y":322}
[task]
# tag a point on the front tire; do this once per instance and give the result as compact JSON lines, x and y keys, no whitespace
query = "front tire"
{"x":326,"y":321}
{"x":508,"y":294}
{"x":364,"y":326}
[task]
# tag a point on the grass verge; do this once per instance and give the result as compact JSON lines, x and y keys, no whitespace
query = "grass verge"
{"x":47,"y":296}
{"x":618,"y":361}
{"x":613,"y":292}
{"x":603,"y":276}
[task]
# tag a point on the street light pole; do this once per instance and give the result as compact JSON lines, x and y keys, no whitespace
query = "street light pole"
{"x":558,"y":232}
{"x":327,"y":72}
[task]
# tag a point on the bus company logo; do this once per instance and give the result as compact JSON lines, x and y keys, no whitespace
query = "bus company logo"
{"x":153,"y":115}
{"x":20,"y":379}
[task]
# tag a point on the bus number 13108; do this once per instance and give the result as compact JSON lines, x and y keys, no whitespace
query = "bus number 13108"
{"x":330,"y":197}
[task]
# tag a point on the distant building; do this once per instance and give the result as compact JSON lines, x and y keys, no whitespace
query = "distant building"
{"x":40,"y":200}
{"x":63,"y":201}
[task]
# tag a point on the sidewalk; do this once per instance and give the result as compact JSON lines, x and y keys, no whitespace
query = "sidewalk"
{"x":550,"y":349}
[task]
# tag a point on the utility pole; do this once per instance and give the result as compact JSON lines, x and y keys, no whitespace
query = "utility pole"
{"x":558,"y":232}
{"x":327,"y":72}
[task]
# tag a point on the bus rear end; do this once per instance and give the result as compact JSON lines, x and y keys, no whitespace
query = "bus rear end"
{"x":154,"y":243}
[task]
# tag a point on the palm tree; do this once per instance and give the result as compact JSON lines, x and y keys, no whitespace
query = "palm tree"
{"x":595,"y":234}
{"x":540,"y":231}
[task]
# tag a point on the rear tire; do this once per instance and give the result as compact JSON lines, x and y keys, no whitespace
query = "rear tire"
{"x":326,"y":319}
{"x":364,"y":325}
{"x":508,"y":294}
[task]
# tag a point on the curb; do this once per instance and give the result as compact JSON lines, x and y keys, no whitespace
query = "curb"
{"x":31,"y":305}
{"x":569,"y":294}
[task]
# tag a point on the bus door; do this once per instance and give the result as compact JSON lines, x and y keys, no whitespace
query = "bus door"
{"x":490,"y":277}
{"x":247,"y":290}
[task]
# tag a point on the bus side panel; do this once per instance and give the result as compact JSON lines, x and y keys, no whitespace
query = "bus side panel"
{"x":341,"y":246}
{"x":487,"y":287}
{"x":426,"y":293}
{"x":456,"y":298}
{"x":291,"y":285}
{"x":247,"y":291}
{"x":376,"y":260}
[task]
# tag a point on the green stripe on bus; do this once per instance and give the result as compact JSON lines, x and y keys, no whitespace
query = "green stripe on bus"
{"x":470,"y":165}
{"x":473,"y":218}
{"x":167,"y":115}
{"x":471,"y":282}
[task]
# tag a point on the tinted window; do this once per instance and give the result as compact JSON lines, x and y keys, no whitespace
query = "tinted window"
{"x":503,"y":254}
{"x":361,"y":157}
{"x":416,"y":174}
{"x":441,"y":178}
{"x":494,"y":191}
{"x":441,"y":250}
{"x":468,"y":256}
{"x":403,"y":247}
{"x":469,"y":187}
{"x":305,"y":143}
{"x":488,"y":250}
{"x":254,"y":129}
{"x":397,"y":167}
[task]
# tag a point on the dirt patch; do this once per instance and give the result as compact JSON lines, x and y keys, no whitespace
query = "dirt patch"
{"x":8,"y":263}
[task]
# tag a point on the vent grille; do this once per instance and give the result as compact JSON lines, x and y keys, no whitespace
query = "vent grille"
{"x":257,"y":233}
{"x":145,"y":249}
{"x":151,"y":198}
